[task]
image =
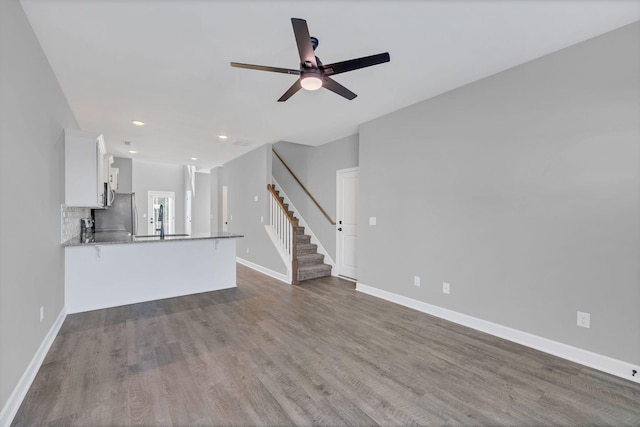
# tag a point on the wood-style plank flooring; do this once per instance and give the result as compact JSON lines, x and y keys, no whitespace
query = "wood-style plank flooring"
{"x":270,"y":354}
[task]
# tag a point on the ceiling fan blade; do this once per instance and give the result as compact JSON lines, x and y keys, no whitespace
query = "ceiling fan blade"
{"x":355,"y":64}
{"x":265,"y":68}
{"x":303,"y":40}
{"x":291,"y":91}
{"x":336,"y":87}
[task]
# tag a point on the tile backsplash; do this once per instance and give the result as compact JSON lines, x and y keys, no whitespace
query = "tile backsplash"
{"x":70,"y":222}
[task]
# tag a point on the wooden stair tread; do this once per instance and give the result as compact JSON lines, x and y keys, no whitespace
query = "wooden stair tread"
{"x":313,"y":272}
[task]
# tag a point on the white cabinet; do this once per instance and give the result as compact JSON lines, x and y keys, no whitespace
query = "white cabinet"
{"x":85,"y":176}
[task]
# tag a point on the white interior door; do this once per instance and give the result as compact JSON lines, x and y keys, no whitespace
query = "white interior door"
{"x":166,"y":199}
{"x":347,"y":222}
{"x":225,"y":219}
{"x":187,"y":211}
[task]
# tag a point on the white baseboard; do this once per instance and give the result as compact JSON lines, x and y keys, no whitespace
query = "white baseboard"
{"x":283,"y":254}
{"x":264,"y":270}
{"x":20,"y":391}
{"x":584,"y":357}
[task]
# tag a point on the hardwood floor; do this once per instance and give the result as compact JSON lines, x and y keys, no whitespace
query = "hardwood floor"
{"x":270,"y":354}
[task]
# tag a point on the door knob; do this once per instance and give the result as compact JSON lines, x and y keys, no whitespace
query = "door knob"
{"x":340,"y":229}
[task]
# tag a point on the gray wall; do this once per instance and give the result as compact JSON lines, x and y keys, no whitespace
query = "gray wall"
{"x":246,"y":177}
{"x":316,"y":167}
{"x":215,"y":208}
{"x":125,"y":174}
{"x":201,"y":204}
{"x":522,"y":191}
{"x":33,"y":114}
{"x":148,"y":176}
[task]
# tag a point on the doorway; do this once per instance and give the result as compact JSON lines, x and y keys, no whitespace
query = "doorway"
{"x":347,"y":222}
{"x":166,"y":199}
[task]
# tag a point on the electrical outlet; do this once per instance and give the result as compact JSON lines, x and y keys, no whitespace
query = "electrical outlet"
{"x":261,"y":218}
{"x":247,"y":250}
{"x":584,"y":320}
{"x":372,"y":220}
{"x":41,"y":313}
{"x":416,"y":280}
{"x":255,"y":198}
{"x":446,"y":288}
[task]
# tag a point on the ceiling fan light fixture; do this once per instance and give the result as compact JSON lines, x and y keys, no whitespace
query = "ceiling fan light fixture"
{"x":312,"y":82}
{"x":314,"y":75}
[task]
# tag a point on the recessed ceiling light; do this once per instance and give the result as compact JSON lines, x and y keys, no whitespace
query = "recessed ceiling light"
{"x":133,"y":151}
{"x":223,"y":136}
{"x":194,"y":158}
{"x":137,"y":122}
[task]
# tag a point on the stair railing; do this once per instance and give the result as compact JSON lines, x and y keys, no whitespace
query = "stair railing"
{"x":303,"y":187}
{"x":284,"y":226}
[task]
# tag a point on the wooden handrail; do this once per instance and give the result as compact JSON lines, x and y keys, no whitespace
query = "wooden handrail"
{"x":303,"y":187}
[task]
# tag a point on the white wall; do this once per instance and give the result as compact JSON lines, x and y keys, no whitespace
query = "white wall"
{"x":125,"y":170}
{"x":522,"y":191}
{"x":148,"y":176}
{"x":33,"y":114}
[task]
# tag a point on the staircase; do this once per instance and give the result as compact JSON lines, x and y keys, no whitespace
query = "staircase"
{"x":310,"y":263}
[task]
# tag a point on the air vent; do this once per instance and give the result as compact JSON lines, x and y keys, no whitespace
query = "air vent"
{"x":241,"y":142}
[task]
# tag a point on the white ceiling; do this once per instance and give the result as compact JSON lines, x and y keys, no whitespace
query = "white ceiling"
{"x":167,"y":63}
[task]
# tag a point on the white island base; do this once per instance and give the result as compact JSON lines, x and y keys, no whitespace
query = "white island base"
{"x":100,"y":276}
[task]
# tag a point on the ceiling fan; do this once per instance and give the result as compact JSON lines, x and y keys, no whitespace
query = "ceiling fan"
{"x":313,"y":74}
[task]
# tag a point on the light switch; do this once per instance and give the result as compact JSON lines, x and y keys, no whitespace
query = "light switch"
{"x":255,"y":198}
{"x":372,"y":220}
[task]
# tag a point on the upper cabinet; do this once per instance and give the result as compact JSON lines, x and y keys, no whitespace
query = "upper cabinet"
{"x":85,"y":176}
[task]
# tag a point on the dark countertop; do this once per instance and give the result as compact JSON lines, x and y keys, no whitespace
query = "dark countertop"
{"x":118,"y":237}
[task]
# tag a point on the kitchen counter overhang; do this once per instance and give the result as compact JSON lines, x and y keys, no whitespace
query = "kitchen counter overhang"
{"x":119,"y":237}
{"x":118,"y":272}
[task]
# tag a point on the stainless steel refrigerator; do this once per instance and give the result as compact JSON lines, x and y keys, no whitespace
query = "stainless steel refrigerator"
{"x":121,"y":216}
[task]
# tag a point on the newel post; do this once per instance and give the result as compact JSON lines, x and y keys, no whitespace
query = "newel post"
{"x":294,"y":253}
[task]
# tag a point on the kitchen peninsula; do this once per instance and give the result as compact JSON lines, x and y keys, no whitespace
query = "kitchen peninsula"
{"x":117,"y":270}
